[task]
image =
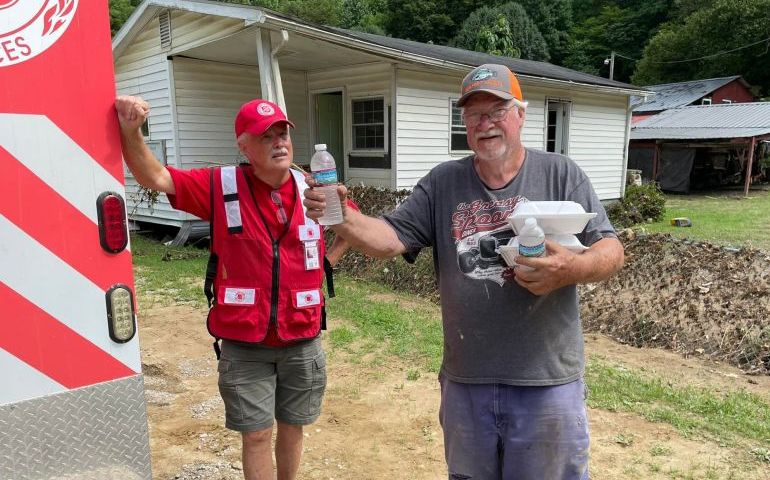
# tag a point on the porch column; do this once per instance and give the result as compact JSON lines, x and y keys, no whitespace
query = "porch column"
{"x":749,"y":162}
{"x":269,"y":71}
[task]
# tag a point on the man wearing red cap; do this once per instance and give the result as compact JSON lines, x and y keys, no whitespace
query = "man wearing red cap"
{"x":512,"y":391}
{"x":263,"y":281}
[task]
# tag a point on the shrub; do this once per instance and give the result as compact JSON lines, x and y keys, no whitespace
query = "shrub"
{"x":648,"y":199}
{"x":641,"y":202}
{"x":419,"y":278}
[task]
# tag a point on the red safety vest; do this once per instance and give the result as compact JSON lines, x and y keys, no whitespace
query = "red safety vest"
{"x":259,"y":279}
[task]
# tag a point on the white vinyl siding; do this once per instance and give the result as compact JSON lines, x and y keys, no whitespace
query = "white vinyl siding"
{"x":189,"y":29}
{"x":142,"y":70}
{"x":423,"y":123}
{"x":597,"y":126}
{"x":208,"y":96}
{"x":598,"y":141}
{"x":366,"y":81}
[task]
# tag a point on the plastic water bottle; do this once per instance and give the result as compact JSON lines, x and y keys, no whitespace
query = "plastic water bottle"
{"x":531,"y":240}
{"x":325,"y":174}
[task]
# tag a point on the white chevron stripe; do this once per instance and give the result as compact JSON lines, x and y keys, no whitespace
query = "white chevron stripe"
{"x":61,"y":291}
{"x":49,"y":153}
{"x":26,"y":381}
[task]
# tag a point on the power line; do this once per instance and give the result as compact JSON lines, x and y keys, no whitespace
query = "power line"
{"x":627,"y":58}
{"x":716,"y":54}
{"x":699,"y":58}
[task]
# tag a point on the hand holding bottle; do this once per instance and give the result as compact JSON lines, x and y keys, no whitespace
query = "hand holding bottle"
{"x":324,"y":172}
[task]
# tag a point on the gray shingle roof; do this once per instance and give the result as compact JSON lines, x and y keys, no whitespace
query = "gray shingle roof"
{"x":672,"y":95}
{"x":736,"y":120}
{"x":520,"y":67}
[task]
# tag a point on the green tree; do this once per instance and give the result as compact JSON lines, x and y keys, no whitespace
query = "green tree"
{"x":554,"y":20}
{"x":422,"y":21}
{"x":496,"y":39}
{"x":725,"y":26}
{"x":440,"y":21}
{"x":624,"y":27}
{"x":584,"y":55}
{"x":520,"y":33}
{"x":684,"y":8}
{"x":120,"y":10}
{"x":323,"y":12}
{"x":364,"y":15}
{"x":435,"y":21}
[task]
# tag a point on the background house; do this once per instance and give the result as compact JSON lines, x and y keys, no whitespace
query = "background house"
{"x":703,"y":146}
{"x":385,"y":106}
{"x":710,"y":91}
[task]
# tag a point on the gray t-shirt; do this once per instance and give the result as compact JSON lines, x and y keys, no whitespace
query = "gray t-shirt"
{"x":494,"y":330}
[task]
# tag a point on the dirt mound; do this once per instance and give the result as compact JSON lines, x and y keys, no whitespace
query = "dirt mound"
{"x":691,"y":297}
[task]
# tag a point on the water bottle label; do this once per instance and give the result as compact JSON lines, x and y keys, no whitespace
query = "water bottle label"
{"x":326,"y":177}
{"x":534,"y":251}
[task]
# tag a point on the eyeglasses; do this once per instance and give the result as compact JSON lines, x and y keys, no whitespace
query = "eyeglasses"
{"x":474,"y":119}
{"x":275,"y":196}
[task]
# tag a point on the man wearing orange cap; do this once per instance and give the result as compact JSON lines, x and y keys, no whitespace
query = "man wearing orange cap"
{"x":512,"y":391}
{"x":263,"y":281}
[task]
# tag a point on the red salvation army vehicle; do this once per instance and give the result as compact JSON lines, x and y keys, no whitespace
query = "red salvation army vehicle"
{"x":71,"y":389}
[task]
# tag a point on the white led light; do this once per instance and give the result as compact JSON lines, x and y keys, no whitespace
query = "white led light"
{"x":120,"y":312}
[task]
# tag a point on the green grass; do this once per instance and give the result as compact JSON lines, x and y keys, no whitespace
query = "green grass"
{"x":168,"y":275}
{"x":414,"y":333}
{"x":659,"y":450}
{"x":724,"y":219}
{"x":693,"y":411}
{"x":405,"y":327}
{"x":370,"y":320}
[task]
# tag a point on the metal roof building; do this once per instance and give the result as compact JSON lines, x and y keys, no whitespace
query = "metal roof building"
{"x":737,"y":120}
{"x":718,"y":141}
{"x":673,"y":95}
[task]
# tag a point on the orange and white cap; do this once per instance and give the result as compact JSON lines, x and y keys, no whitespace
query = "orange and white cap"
{"x":497,"y":80}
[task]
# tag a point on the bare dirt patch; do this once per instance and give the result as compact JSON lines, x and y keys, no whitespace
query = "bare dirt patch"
{"x":377,"y":424}
{"x":690,"y":297}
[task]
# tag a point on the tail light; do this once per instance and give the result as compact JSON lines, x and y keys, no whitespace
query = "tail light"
{"x":113,"y":231}
{"x":120,"y":313}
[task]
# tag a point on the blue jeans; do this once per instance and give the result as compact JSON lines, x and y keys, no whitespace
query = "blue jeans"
{"x":504,"y":432}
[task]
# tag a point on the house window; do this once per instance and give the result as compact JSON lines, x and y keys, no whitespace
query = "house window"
{"x":557,"y":126}
{"x":705,"y":101}
{"x":457,"y":133}
{"x":369,"y":124}
{"x":726,"y":100}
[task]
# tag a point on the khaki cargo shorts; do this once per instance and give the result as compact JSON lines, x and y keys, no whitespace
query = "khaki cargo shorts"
{"x":259,"y":384}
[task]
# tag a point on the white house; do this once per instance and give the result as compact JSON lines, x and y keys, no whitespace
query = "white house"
{"x":385,"y":106}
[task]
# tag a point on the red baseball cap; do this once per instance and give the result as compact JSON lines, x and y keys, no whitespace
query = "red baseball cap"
{"x":257,"y":116}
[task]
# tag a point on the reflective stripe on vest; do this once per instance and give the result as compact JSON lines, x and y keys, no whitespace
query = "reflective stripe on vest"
{"x":244,"y":277}
{"x":299,"y":178}
{"x":232,"y":205}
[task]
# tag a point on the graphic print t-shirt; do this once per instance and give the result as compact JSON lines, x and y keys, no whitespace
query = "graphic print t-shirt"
{"x":494,"y":330}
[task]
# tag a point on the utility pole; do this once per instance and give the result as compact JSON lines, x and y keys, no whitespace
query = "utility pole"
{"x":611,"y":62}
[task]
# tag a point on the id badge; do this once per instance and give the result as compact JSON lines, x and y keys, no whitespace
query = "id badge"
{"x":312,"y":262}
{"x":309,"y":233}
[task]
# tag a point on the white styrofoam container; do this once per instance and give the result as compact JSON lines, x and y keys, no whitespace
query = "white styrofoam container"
{"x":558,"y":217}
{"x":511,"y":250}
